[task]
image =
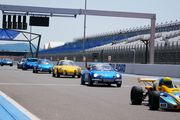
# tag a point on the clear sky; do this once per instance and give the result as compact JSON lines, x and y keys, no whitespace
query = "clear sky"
{"x":68,"y":29}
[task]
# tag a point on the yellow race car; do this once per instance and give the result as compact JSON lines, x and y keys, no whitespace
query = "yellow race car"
{"x":161,"y":95}
{"x":66,"y":68}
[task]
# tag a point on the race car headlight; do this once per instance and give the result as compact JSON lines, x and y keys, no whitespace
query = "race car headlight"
{"x":95,"y":75}
{"x":117,"y":75}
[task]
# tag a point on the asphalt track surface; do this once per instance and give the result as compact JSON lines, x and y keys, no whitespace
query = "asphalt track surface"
{"x":65,"y":99}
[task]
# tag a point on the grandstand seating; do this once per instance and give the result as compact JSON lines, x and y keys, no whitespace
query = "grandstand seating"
{"x":164,"y":33}
{"x":162,"y":38}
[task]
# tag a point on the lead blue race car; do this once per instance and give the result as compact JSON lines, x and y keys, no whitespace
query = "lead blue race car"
{"x":101,"y":73}
{"x":43,"y":65}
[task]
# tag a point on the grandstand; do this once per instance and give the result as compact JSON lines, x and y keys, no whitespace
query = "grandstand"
{"x":167,"y":34}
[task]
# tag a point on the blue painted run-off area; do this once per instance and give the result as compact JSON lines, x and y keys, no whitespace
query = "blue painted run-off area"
{"x":9,"y":112}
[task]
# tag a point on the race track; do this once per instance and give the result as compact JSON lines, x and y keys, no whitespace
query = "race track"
{"x":65,"y":99}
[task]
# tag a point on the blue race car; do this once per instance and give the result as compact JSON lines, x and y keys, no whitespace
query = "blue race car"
{"x":43,"y":65}
{"x":6,"y":61}
{"x":101,"y":73}
{"x":29,"y":63}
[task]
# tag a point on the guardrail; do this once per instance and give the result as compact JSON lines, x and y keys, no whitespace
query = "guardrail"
{"x":145,"y":69}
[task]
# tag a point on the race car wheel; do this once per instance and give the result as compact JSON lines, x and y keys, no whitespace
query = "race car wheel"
{"x":118,"y":84}
{"x":136,"y":95}
{"x":153,"y":100}
{"x":90,"y":82}
{"x":79,"y":76}
{"x":82,"y":81}
{"x":33,"y":70}
{"x":53,"y":75}
{"x":58,"y":75}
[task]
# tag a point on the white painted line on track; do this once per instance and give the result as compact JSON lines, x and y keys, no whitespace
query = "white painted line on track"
{"x":63,"y":85}
{"x":33,"y":84}
{"x":21,"y":108}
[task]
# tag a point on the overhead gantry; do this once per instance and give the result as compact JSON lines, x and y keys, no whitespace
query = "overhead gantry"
{"x":60,"y":12}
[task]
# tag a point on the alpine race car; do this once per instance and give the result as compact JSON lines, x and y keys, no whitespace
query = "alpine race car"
{"x":29,"y":63}
{"x":163,"y":95}
{"x":43,"y":65}
{"x":101,"y":73}
{"x":20,"y":63}
{"x":6,"y":61}
{"x":66,"y":68}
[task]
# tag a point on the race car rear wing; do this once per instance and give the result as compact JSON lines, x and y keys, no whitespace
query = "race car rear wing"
{"x":152,"y":80}
{"x":147,"y":82}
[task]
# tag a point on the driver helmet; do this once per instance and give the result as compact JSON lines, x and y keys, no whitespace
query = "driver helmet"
{"x":167,"y":81}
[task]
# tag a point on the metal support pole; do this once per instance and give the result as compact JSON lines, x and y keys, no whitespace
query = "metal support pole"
{"x":30,"y":41}
{"x":151,"y":42}
{"x":37,"y":50}
{"x":84,"y":29}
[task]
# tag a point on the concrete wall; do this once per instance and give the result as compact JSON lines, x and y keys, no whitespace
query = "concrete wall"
{"x":153,"y":69}
{"x":146,"y":69}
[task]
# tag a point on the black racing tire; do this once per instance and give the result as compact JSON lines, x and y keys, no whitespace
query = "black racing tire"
{"x":119,"y":84}
{"x":53,"y":75}
{"x":79,"y":76}
{"x":90,"y":82}
{"x":154,"y":100}
{"x":33,"y":70}
{"x":24,"y":68}
{"x":82,"y":81}
{"x":57,"y":74}
{"x":136,"y":95}
{"x":36,"y":70}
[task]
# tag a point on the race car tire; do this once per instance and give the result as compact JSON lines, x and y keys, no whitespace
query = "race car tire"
{"x":90,"y":82}
{"x":154,"y":100}
{"x":82,"y":81}
{"x":24,"y":68}
{"x":33,"y":71}
{"x":53,"y":75}
{"x":136,"y":95}
{"x":118,"y":84}
{"x":79,"y":76}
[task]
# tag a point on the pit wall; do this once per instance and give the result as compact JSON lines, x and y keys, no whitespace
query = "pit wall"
{"x":146,"y":69}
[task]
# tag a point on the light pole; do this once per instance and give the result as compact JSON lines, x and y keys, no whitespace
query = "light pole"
{"x":84,"y":29}
{"x":134,"y":55}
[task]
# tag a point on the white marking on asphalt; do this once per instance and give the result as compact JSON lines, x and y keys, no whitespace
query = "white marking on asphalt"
{"x":21,"y":108}
{"x":64,"y":85}
{"x":33,"y":84}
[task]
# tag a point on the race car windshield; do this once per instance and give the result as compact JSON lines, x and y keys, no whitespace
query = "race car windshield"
{"x":45,"y":62}
{"x":102,"y":68}
{"x":32,"y":60}
{"x":68,"y":63}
